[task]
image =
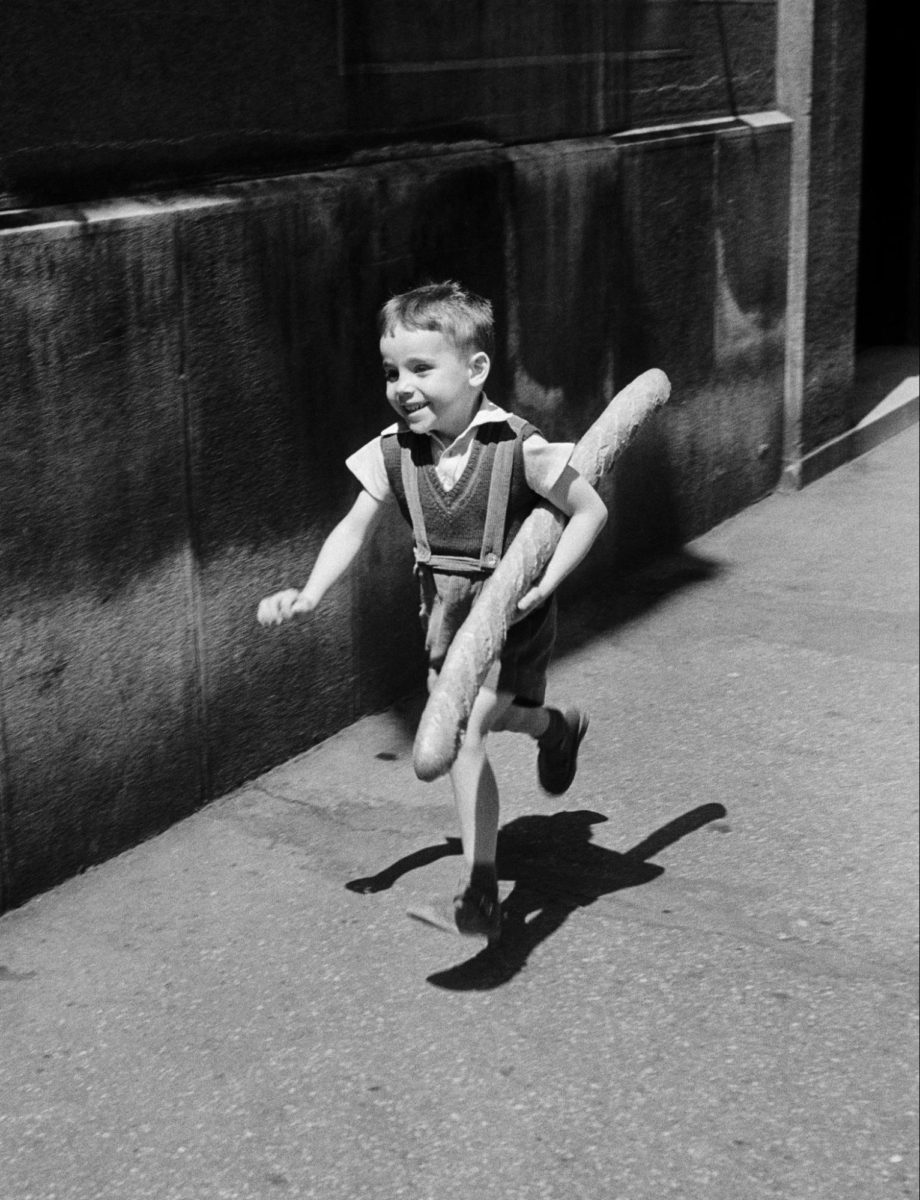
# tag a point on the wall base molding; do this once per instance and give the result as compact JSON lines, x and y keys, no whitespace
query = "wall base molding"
{"x":898,"y":411}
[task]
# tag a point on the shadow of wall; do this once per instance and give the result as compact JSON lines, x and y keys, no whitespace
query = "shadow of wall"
{"x":182,"y":381}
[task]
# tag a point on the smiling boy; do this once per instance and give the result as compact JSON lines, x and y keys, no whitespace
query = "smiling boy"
{"x":465,"y":473}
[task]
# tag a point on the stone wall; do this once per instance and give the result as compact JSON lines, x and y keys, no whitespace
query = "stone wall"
{"x":835,"y":161}
{"x":819,"y":79}
{"x":183,"y":376}
{"x":99,"y":97}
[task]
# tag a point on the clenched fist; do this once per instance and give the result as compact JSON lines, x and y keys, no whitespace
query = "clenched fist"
{"x":283,"y":606}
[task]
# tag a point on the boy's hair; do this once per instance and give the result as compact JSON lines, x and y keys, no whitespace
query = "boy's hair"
{"x":462,"y":317}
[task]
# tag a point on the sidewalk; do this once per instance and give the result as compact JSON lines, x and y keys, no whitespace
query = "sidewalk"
{"x":707,"y":989}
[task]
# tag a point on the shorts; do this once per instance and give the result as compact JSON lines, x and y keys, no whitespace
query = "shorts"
{"x":446,"y":600}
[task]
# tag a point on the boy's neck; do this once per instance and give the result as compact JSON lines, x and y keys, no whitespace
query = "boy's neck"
{"x":462,"y":422}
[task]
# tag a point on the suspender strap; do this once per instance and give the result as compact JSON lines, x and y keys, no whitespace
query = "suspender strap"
{"x":493,"y":537}
{"x":496,"y":511}
{"x":410,"y":487}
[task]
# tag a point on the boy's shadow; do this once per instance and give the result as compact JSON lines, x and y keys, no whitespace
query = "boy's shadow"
{"x":556,"y":869}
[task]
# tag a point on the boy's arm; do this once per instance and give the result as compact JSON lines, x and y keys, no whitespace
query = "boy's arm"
{"x":587,"y":515}
{"x":335,"y":557}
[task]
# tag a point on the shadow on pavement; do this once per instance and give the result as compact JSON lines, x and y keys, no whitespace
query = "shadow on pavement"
{"x":605,"y":605}
{"x":556,"y":869}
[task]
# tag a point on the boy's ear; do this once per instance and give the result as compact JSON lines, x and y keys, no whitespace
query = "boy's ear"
{"x":480,"y":365}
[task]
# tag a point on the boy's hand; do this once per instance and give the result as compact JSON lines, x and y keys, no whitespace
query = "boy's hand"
{"x":529,"y":601}
{"x":283,"y":606}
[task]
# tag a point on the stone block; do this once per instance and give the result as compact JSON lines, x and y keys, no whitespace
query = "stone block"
{"x":99,"y":705}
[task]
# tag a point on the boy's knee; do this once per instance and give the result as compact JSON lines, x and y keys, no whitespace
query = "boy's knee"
{"x":491,"y":711}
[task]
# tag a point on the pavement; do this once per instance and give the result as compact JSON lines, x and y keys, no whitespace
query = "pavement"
{"x":707,"y":984}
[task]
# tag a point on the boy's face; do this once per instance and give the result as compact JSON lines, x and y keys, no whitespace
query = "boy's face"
{"x":432,"y":386}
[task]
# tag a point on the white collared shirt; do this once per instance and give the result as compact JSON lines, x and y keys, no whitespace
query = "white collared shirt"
{"x":543,"y":460}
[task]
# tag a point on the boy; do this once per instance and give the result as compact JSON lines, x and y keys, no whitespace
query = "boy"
{"x":465,"y":474}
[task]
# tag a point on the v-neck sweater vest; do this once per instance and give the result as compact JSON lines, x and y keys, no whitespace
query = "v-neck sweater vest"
{"x":455,"y":518}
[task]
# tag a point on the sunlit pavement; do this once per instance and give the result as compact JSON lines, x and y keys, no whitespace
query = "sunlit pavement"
{"x":706,"y":984}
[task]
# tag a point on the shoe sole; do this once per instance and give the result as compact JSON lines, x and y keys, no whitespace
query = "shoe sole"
{"x":441,"y":916}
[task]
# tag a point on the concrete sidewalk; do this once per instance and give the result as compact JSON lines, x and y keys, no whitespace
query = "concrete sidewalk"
{"x":707,"y":986}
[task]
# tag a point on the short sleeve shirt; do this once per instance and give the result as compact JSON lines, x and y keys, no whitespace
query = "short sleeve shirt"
{"x":543,"y":461}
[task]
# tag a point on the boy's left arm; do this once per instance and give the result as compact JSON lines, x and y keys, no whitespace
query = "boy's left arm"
{"x":587,"y":515}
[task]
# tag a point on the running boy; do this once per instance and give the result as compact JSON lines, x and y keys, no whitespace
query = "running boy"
{"x":465,"y":473}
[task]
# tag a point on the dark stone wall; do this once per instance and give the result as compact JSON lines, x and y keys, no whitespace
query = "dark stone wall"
{"x":99,"y":97}
{"x":183,"y":378}
{"x":99,"y":712}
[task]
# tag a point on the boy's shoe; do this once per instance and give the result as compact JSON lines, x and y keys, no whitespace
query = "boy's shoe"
{"x":558,"y":762}
{"x":477,"y":915}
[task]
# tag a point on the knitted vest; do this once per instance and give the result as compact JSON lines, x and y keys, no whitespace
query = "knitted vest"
{"x":455,"y":521}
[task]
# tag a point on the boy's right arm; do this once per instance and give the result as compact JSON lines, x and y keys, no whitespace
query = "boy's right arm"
{"x":335,"y":557}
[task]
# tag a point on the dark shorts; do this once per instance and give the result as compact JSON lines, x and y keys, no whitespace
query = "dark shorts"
{"x":521,"y":668}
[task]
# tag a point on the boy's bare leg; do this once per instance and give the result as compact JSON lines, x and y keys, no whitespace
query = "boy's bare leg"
{"x":518,"y":719}
{"x":476,"y":798}
{"x":473,"y":780}
{"x":476,"y":791}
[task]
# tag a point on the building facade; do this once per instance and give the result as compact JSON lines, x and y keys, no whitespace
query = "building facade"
{"x":202,"y":208}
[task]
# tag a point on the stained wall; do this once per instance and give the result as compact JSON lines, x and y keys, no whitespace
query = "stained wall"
{"x":182,"y":378}
{"x":201,"y":208}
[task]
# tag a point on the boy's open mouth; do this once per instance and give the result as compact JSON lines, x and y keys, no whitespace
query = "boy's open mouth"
{"x":414,"y":407}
